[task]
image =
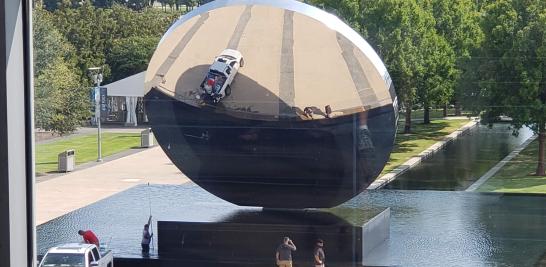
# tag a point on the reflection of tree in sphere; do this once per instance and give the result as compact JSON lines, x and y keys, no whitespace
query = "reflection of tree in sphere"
{"x":309,"y":120}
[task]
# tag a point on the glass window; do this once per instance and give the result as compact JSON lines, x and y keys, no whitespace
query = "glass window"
{"x":346,"y":113}
{"x":64,"y":259}
{"x":96,"y":254}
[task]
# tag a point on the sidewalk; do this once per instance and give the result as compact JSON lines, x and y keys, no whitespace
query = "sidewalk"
{"x":66,"y":193}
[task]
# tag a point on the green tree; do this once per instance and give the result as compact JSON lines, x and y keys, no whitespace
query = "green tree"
{"x":513,"y":69}
{"x":190,"y":4}
{"x":49,"y":43}
{"x":348,"y":10}
{"x":60,"y":103}
{"x":136,"y":5}
{"x":78,"y":35}
{"x":90,"y":30}
{"x":94,"y":31}
{"x":437,"y":77}
{"x":459,"y":23}
{"x":399,"y":30}
{"x":131,"y":55}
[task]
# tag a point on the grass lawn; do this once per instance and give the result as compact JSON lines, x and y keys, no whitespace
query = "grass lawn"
{"x":434,"y":113}
{"x":517,"y":175}
{"x":423,"y":136}
{"x":86,"y":148}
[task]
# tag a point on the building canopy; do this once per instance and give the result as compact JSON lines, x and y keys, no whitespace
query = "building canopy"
{"x":130,"y":86}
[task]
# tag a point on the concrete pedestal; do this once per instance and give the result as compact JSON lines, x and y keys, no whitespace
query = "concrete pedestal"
{"x":251,"y":238}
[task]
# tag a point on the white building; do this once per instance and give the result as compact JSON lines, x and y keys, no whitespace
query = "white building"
{"x":125,"y":105}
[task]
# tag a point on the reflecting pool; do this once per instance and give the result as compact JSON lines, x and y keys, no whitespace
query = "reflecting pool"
{"x":428,"y":228}
{"x":463,"y":161}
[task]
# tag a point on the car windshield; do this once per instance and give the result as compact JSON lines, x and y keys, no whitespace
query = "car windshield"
{"x":64,"y":260}
{"x":214,"y":73}
{"x":228,"y":57}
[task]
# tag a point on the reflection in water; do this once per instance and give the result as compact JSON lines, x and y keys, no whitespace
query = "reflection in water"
{"x":249,"y":237}
{"x":463,"y":161}
{"x":441,"y":228}
{"x":427,"y":228}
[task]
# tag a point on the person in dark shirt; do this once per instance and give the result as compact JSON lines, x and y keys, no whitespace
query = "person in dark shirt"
{"x":319,"y":253}
{"x":284,"y":253}
{"x":89,"y":237}
{"x":146,"y":238}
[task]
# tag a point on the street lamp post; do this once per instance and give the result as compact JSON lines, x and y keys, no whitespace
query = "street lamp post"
{"x":96,"y":76}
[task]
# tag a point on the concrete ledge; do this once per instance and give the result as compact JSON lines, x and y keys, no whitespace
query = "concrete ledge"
{"x":414,"y":161}
{"x":500,"y":164}
{"x":374,"y":233}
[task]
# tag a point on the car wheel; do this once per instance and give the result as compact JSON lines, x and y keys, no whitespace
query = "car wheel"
{"x":228,"y":90}
{"x":242,"y":62}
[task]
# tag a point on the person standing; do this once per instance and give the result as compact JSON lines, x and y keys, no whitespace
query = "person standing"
{"x":284,"y":253}
{"x":146,"y":237}
{"x":89,"y":237}
{"x":319,"y":253}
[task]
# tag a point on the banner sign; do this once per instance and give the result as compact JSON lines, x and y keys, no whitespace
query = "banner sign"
{"x":100,"y":95}
{"x":103,"y":103}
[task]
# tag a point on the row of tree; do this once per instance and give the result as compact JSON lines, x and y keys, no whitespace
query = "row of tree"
{"x":137,"y":5}
{"x":488,"y":55}
{"x":425,"y":44}
{"x":68,"y":41}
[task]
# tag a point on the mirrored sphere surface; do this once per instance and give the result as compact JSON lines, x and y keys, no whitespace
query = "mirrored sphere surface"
{"x":271,"y":103}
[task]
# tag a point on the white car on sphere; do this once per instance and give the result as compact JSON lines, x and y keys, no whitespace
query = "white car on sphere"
{"x":217,"y":82}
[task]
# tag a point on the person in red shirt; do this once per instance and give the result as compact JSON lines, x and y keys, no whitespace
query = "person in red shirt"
{"x":89,"y":237}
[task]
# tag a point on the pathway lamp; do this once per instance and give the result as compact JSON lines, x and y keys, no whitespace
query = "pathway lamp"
{"x":95,"y":73}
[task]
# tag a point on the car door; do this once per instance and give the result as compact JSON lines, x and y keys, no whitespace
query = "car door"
{"x":90,"y":258}
{"x":230,"y":75}
{"x":235,"y":66}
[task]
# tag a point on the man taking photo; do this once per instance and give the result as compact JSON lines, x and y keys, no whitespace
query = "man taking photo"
{"x":284,"y":253}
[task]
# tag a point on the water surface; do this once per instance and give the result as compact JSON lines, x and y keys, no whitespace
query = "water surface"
{"x":463,"y":161}
{"x":428,"y":228}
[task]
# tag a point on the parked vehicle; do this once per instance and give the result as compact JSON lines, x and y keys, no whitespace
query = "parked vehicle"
{"x":77,"y":255}
{"x":217,"y":82}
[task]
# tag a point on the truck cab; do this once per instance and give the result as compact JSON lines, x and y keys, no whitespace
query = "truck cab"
{"x":77,"y":255}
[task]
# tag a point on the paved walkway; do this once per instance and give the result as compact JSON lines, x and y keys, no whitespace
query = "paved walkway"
{"x":499,"y":165}
{"x":56,"y":197}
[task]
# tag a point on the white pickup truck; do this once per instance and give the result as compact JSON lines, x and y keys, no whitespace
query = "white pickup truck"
{"x":77,"y":255}
{"x":217,"y":82}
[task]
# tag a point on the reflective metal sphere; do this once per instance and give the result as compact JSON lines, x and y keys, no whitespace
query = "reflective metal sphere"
{"x":306,"y":117}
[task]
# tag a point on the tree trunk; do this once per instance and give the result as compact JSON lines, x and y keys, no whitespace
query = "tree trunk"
{"x":426,"y":115}
{"x":445,"y":111}
{"x":541,"y":137}
{"x":407,"y":126}
{"x":458,"y":108}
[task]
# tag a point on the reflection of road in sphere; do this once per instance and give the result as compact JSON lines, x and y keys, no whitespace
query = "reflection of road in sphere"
{"x":309,"y":120}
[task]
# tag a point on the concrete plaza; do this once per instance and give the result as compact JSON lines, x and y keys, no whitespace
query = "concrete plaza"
{"x":66,"y":193}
